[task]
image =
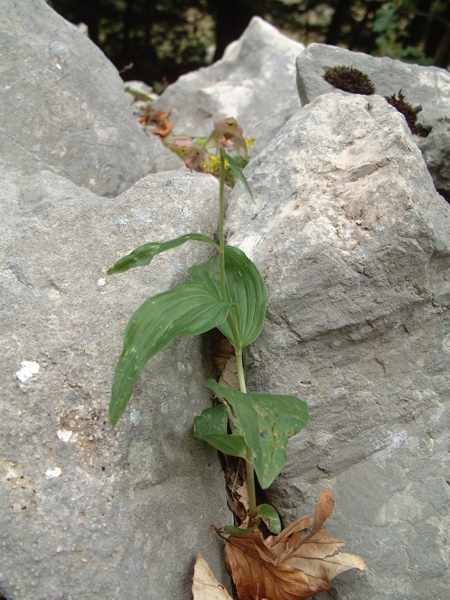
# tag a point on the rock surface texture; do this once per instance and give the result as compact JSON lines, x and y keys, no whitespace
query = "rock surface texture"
{"x":354,"y":245}
{"x":428,"y":87}
{"x":62,"y":105}
{"x":254,"y":83}
{"x":88,"y":511}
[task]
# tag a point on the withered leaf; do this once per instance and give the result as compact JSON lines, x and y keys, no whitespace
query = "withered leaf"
{"x":225,"y":361}
{"x":289,"y":566}
{"x":156,"y":122}
{"x":236,"y":488}
{"x":205,"y":586}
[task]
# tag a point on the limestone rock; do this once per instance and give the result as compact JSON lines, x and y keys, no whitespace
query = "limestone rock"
{"x":89,"y":511}
{"x":62,"y":104}
{"x":253,"y":82}
{"x":142,"y":98}
{"x":354,"y":245}
{"x":428,"y":87}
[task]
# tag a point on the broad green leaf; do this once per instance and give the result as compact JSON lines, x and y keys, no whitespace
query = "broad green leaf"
{"x":265,"y":421}
{"x":239,"y":174}
{"x":188,"y":308}
{"x":270,"y":517}
{"x":212,"y":427}
{"x":245,"y":290}
{"x":144,"y":254}
{"x":238,"y":531}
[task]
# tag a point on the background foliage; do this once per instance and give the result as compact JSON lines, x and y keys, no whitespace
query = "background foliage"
{"x":163,"y":39}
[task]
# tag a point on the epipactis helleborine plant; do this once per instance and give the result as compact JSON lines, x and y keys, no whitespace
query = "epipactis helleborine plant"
{"x":226,"y":292}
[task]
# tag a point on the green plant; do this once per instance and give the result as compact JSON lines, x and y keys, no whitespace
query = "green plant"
{"x":227,"y":292}
{"x":391,"y":23}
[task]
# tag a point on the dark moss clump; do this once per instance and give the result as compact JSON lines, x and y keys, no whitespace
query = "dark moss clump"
{"x":409,"y":112}
{"x":350,"y":80}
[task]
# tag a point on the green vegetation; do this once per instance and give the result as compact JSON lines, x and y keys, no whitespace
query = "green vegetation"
{"x":157,"y":41}
{"x":227,"y":292}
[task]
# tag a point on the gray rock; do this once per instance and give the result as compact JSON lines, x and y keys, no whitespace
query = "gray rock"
{"x":354,"y":245}
{"x":88,"y":511}
{"x":428,"y":87}
{"x":254,"y":83}
{"x":62,"y":104}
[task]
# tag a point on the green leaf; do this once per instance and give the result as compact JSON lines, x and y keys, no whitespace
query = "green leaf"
{"x":238,"y":531}
{"x":212,"y":427}
{"x":144,"y":254}
{"x":245,"y":291}
{"x":239,"y":174}
{"x":384,"y":17}
{"x":265,"y":421}
{"x":270,"y":517}
{"x":187,"y":309}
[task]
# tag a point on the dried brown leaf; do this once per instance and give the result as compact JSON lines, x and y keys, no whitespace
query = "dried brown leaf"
{"x":236,"y":487}
{"x":229,"y":377}
{"x":157,"y":122}
{"x":225,"y":361}
{"x":205,"y":586}
{"x":289,"y":566}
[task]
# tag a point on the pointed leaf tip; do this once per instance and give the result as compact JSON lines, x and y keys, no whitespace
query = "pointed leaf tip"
{"x":187,"y":309}
{"x":143,"y":255}
{"x":205,"y":586}
{"x":239,"y":174}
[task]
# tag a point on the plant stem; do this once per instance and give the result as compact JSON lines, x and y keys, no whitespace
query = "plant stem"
{"x":221,"y":221}
{"x":248,"y":461}
{"x":240,"y":366}
{"x":240,"y":371}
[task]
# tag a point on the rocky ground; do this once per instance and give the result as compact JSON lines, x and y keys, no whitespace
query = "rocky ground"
{"x":353,"y":240}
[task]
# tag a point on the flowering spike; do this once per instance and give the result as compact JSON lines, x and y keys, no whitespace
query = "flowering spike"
{"x":227,"y":134}
{"x":185,"y":147}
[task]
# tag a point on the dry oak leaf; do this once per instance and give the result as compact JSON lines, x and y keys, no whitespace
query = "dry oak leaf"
{"x":289,"y":566}
{"x":205,"y":586}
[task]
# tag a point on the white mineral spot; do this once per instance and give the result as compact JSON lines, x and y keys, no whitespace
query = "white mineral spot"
{"x":54,"y":293}
{"x":58,"y":66}
{"x":28,"y":368}
{"x":52,"y":473}
{"x":64,"y":435}
{"x":60,"y":49}
{"x":135,"y":417}
{"x":101,"y":282}
{"x":382,"y":456}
